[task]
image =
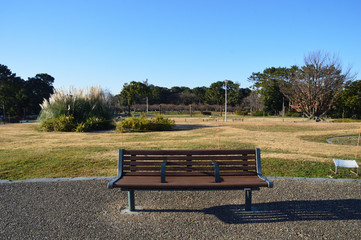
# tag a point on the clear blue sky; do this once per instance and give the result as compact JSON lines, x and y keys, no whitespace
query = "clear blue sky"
{"x":171,"y":42}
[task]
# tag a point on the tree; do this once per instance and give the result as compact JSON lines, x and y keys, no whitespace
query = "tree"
{"x":158,"y":95}
{"x":215,"y":94}
{"x":313,"y":87}
{"x":12,"y":92}
{"x":253,"y":101}
{"x":236,"y":94}
{"x":38,"y":88}
{"x":133,"y":93}
{"x":199,"y":93}
{"x":180,"y":95}
{"x":348,"y":102}
{"x":267,"y":84}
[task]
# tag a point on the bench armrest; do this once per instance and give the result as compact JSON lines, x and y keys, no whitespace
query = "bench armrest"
{"x":162,"y":171}
{"x":216,"y":172}
{"x":259,"y":170}
{"x":120,"y":170}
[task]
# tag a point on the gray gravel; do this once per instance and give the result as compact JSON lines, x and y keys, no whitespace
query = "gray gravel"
{"x":86,"y":209}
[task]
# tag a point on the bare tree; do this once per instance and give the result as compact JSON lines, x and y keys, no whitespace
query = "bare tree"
{"x":253,"y":102}
{"x":312,"y":88}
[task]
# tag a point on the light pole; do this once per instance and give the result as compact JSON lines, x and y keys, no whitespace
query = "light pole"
{"x":283,"y":108}
{"x":225,"y":101}
{"x":147,"y":104}
{"x":4,"y":110}
{"x":146,"y":98}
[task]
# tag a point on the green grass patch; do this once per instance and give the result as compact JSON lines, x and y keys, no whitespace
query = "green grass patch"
{"x":337,"y":139}
{"x":307,"y":169}
{"x":346,"y":140}
{"x":276,"y":128}
{"x":58,"y":162}
{"x":317,"y":138}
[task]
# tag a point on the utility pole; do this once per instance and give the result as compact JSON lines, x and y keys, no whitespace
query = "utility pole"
{"x":146,"y":98}
{"x":147,"y":104}
{"x":283,"y":108}
{"x":225,"y":101}
{"x":4,"y":110}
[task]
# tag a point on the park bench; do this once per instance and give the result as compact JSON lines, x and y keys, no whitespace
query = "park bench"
{"x":190,"y":170}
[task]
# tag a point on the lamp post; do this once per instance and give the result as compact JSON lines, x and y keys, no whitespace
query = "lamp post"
{"x":225,"y":101}
{"x":283,"y":108}
{"x":4,"y":110}
{"x":146,"y":98}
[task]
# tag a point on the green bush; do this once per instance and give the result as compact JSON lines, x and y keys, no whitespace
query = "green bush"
{"x":134,"y":123}
{"x":241,"y":112}
{"x":48,"y":125}
{"x":161,"y":123}
{"x":293,"y":114}
{"x":207,"y":113}
{"x":94,"y":124}
{"x":296,"y":114}
{"x":258,"y":113}
{"x":142,"y":123}
{"x":60,"y":124}
{"x":85,"y":106}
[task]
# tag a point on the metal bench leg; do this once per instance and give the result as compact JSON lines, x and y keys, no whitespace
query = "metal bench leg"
{"x":248,"y":204}
{"x":131,"y":200}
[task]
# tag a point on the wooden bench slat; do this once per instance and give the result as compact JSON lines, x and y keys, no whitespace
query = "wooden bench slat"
{"x":169,"y":173}
{"x":192,"y":157}
{"x":185,"y":168}
{"x":192,"y":163}
{"x":190,"y":152}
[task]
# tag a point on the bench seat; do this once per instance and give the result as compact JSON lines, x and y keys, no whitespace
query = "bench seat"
{"x":189,"y":183}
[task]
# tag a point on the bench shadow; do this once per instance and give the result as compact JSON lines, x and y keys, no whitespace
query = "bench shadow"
{"x":348,"y":209}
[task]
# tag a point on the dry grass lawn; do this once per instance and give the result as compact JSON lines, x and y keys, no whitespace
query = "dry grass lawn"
{"x":26,"y":152}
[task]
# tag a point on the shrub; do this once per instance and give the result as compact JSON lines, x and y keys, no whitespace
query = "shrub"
{"x":142,"y":123}
{"x":293,"y":114}
{"x":64,"y":124}
{"x":94,"y":124}
{"x":134,"y":123}
{"x":82,"y":105}
{"x":296,"y":114}
{"x":258,"y":113}
{"x":60,"y":124}
{"x":48,"y":125}
{"x":241,"y":113}
{"x":207,"y":113}
{"x":161,"y":124}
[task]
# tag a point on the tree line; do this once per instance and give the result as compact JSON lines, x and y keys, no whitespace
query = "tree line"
{"x":140,"y":93}
{"x":319,"y":87}
{"x":19,"y":97}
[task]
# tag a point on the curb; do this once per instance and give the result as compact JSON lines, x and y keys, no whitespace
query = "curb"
{"x":316,"y":179}
{"x":37,"y":180}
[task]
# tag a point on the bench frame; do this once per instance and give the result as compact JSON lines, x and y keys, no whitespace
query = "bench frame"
{"x":248,"y":191}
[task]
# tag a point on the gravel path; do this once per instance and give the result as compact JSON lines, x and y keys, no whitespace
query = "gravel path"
{"x":86,"y":209}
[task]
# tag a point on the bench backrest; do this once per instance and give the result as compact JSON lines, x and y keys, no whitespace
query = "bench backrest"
{"x":189,"y":162}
